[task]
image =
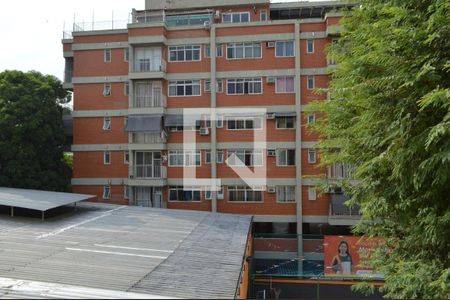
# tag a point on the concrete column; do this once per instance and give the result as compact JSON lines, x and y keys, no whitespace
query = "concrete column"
{"x":212,"y":47}
{"x":298,"y":146}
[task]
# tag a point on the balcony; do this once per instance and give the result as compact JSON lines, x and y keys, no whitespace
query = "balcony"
{"x":171,"y":20}
{"x":148,"y":175}
{"x":146,"y":101}
{"x":148,"y":138}
{"x":341,"y":214}
{"x":148,"y":69}
{"x":340,"y":171}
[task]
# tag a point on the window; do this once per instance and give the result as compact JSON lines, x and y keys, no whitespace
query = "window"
{"x":126,"y":192}
{"x":107,"y":157}
{"x":263,"y":15}
{"x":284,"y":84}
{"x":286,"y":194}
{"x":218,"y":51}
{"x":148,"y":59}
{"x":311,"y":156}
{"x":126,"y":157}
{"x":178,"y":193}
{"x":285,"y":122}
{"x":207,"y":156}
{"x":311,"y":118}
{"x":126,"y":54}
{"x":219,"y":86}
{"x":107,"y":89}
{"x":284,"y":48}
{"x":219,"y":156}
{"x":238,"y":17}
{"x":185,"y":53}
{"x":208,"y":195}
{"x":286,"y":157}
{"x":244,"y":123}
{"x":107,"y":55}
{"x":244,"y":86}
{"x":181,"y":158}
{"x":184,"y":88}
{"x":244,"y":194}
{"x":243,"y":50}
{"x":219,"y":122}
{"x":312,"y":193}
{"x":107,"y":123}
{"x":126,"y":89}
{"x":311,"y":83}
{"x":310,"y":46}
{"x":106,"y":192}
{"x":247,"y":158}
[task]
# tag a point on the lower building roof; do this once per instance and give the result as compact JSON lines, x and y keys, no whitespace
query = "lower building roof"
{"x":171,"y":253}
{"x":38,"y":200}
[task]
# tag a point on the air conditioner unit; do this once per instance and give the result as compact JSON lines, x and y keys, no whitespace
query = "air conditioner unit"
{"x":270,"y":79}
{"x":270,"y":116}
{"x":131,"y":176}
{"x":270,"y":44}
{"x":207,"y":24}
{"x":217,"y":14}
{"x":271,"y":189}
{"x":204,"y":131}
{"x":271,"y":152}
{"x":164,"y":158}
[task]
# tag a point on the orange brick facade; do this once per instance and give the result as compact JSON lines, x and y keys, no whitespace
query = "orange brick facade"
{"x":92,"y":108}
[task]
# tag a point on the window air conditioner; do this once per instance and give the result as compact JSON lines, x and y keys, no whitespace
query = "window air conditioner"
{"x":270,"y":116}
{"x":270,"y":44}
{"x":204,"y":131}
{"x":271,"y":152}
{"x":270,"y":79}
{"x":207,"y":25}
{"x":217,"y":14}
{"x":271,"y":189}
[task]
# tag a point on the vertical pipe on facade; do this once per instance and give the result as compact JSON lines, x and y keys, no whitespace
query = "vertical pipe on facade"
{"x":213,"y":88}
{"x":298,"y":146}
{"x":130,"y":135}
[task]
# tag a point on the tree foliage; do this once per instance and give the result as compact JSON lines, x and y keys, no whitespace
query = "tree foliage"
{"x":31,"y":131}
{"x":390,"y":117}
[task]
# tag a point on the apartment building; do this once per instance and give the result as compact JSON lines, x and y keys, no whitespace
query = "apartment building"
{"x":132,"y":85}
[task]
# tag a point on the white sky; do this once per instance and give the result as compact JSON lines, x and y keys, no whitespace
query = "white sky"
{"x":31,"y":30}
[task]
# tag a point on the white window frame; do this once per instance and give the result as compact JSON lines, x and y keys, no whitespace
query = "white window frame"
{"x":208,"y":154}
{"x":242,"y":153}
{"x":219,"y":122}
{"x":208,"y":197}
{"x":107,"y":123}
{"x":219,"y":86}
{"x":243,"y":47}
{"x":285,"y":164}
{"x":189,"y":156}
{"x":263,"y":12}
{"x":236,"y":13}
{"x":285,"y":48}
{"x":219,"y":52}
{"x":244,"y":81}
{"x":312,"y":193}
{"x":312,"y":156}
{"x":286,"y":190}
{"x":126,"y":54}
{"x":311,"y":118}
{"x":310,"y":82}
{"x":126,"y":192}
{"x":107,"y":157}
{"x":285,"y":78}
{"x":106,"y":192}
{"x":126,"y":157}
{"x":185,"y":83}
{"x":246,"y":191}
{"x":310,"y":42}
{"x":126,"y":89}
{"x":185,"y":49}
{"x":219,"y":157}
{"x":244,"y":120}
{"x":278,"y":123}
{"x":107,"y":89}
{"x":107,"y":55}
{"x":192,"y":190}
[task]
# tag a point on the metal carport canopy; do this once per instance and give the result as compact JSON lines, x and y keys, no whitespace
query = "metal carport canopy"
{"x":38,"y":200}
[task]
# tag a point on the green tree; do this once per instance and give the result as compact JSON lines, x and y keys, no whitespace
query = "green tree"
{"x":390,"y":117}
{"x":31,"y":132}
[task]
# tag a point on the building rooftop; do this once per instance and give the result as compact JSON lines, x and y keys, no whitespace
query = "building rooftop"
{"x":155,"y":252}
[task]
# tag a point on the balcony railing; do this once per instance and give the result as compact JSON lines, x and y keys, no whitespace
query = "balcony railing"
{"x":149,"y":172}
{"x":338,"y":208}
{"x":149,"y":17}
{"x":149,"y":138}
{"x":340,"y":171}
{"x":155,"y":100}
{"x":147,"y":65}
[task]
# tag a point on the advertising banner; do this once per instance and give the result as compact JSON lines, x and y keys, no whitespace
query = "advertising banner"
{"x":345,"y":256}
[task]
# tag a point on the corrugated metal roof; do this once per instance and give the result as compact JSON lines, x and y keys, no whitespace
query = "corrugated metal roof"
{"x":163,"y":252}
{"x":38,"y":200}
